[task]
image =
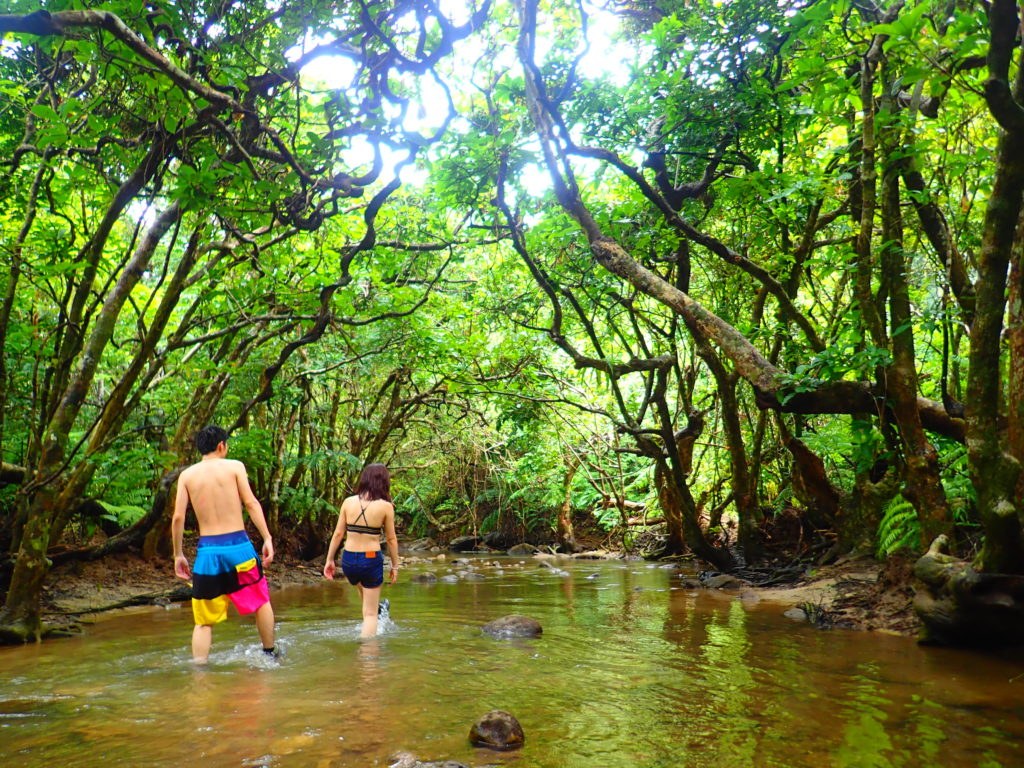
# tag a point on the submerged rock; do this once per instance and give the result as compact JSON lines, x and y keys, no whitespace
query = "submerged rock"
{"x":795,"y":614}
{"x":427,"y":577}
{"x":513,"y":625}
{"x":497,"y":730}
{"x":409,"y":760}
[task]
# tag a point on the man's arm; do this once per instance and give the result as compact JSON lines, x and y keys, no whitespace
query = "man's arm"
{"x":255,"y":512}
{"x":181,"y":569}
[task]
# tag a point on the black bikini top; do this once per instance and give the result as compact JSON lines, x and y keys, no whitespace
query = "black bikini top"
{"x":355,"y":527}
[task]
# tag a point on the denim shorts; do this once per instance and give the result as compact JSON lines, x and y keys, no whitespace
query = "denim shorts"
{"x":366,"y":568}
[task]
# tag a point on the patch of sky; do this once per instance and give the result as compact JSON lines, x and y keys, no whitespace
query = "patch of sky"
{"x":607,"y":57}
{"x":9,"y":48}
{"x":604,"y":57}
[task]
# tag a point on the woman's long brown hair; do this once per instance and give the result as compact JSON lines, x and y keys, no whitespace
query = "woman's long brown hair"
{"x":375,"y":483}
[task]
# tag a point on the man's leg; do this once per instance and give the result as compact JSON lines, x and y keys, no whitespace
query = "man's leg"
{"x":265,"y":625}
{"x":202,"y":638}
{"x":371,"y":599}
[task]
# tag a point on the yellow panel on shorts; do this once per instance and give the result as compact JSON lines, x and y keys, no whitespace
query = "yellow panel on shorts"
{"x":211,"y":611}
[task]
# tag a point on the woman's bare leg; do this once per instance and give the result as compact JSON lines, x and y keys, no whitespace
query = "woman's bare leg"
{"x":371,"y":600}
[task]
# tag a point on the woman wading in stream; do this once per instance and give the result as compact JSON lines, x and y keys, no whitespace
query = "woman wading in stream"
{"x":361,"y":521}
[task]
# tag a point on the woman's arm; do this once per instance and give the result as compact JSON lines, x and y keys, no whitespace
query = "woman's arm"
{"x":392,"y":540}
{"x":336,"y":539}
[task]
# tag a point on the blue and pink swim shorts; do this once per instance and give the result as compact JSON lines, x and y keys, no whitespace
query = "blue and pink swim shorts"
{"x":227,"y":568}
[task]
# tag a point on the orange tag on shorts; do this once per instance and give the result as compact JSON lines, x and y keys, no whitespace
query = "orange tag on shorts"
{"x":371,"y":555}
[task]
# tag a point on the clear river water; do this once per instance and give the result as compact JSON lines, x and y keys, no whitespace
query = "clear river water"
{"x":632,"y":670}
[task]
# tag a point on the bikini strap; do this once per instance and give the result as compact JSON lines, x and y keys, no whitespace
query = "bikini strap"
{"x":362,"y":513}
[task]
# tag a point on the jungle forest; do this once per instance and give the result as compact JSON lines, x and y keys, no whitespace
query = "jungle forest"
{"x":658,"y":274}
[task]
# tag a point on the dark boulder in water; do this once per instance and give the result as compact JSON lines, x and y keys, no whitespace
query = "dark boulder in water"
{"x":513,"y":625}
{"x":464,"y":543}
{"x":497,"y":730}
{"x":499,"y":540}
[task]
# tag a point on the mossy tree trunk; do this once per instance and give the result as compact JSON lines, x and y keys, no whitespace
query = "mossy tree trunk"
{"x":983,"y":602}
{"x":994,"y":470}
{"x":20,"y":616}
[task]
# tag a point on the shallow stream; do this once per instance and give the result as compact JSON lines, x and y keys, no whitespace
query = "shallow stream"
{"x":633,"y":670}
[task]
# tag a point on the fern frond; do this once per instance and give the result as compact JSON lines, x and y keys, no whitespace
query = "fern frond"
{"x":899,"y":527}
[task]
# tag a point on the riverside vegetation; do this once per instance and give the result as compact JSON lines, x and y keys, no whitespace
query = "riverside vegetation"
{"x":739,"y":281}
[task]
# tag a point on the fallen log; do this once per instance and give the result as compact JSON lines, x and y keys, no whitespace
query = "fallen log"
{"x":164,"y":597}
{"x":645,"y":521}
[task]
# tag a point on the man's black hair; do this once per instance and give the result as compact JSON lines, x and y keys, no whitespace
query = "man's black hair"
{"x":209,"y":437}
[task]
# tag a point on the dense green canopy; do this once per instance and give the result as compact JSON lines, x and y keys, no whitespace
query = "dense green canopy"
{"x":699,"y":262}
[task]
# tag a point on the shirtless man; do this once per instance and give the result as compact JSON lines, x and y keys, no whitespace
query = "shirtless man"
{"x":227,"y":567}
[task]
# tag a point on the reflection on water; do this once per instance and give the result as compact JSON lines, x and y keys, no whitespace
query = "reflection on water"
{"x":632,"y":670}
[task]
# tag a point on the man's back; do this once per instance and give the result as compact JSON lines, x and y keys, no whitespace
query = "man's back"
{"x":216,"y":488}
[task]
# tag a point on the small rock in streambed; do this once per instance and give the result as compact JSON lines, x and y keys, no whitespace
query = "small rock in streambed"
{"x":497,"y":730}
{"x":795,"y":614}
{"x":817,"y":615}
{"x":520,"y":550}
{"x":513,"y":625}
{"x":409,"y":760}
{"x":723,"y":581}
{"x":427,"y":577}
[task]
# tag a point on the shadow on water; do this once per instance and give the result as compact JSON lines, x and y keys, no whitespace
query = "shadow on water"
{"x":632,"y":670}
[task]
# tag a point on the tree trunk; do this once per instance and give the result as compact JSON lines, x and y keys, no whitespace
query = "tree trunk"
{"x":135,"y":535}
{"x":563,"y":529}
{"x":13,"y":276}
{"x":671,"y":503}
{"x":21,"y":610}
{"x":961,"y":606}
{"x":994,"y":471}
{"x":923,"y":486}
{"x":743,"y":496}
{"x":1015,"y":343}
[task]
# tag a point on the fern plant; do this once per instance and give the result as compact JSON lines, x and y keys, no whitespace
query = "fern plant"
{"x":899,"y":527}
